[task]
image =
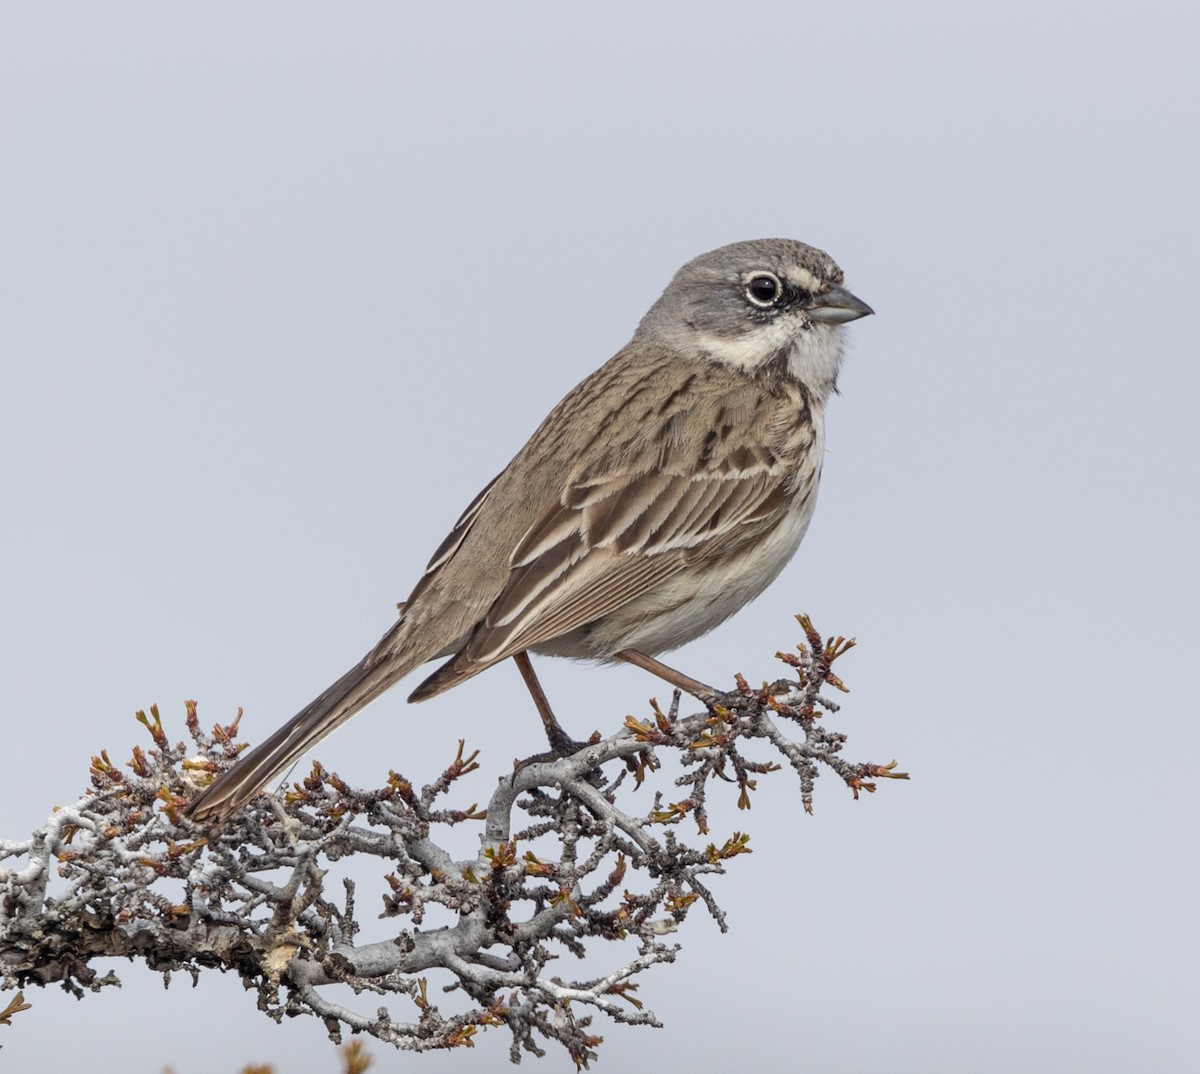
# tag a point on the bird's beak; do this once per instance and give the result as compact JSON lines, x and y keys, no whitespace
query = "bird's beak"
{"x":837,"y":306}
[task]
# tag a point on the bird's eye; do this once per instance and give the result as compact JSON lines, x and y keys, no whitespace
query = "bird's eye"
{"x":763,"y":289}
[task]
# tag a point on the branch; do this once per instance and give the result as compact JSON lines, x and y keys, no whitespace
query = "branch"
{"x":562,"y":870}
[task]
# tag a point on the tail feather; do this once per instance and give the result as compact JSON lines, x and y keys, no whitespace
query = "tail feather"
{"x":233,"y":788}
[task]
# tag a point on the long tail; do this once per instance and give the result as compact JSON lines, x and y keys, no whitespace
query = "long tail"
{"x":232,"y":789}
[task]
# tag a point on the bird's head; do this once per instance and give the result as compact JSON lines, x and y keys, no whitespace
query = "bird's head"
{"x":751,"y":304}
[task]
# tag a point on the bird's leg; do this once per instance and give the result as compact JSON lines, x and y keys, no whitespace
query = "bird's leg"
{"x":561,"y":744}
{"x":677,"y":679}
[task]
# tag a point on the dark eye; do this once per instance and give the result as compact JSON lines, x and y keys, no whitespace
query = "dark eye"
{"x":763,"y":289}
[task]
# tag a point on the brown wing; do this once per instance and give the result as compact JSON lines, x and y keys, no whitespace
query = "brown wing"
{"x":611,"y":541}
{"x":613,"y":538}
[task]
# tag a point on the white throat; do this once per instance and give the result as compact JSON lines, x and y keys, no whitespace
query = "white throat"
{"x":814,"y":354}
{"x":816,"y":357}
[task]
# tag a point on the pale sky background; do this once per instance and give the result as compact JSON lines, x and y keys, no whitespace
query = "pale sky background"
{"x":284,"y":285}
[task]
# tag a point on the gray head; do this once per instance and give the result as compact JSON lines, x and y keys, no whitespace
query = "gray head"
{"x":750,"y":303}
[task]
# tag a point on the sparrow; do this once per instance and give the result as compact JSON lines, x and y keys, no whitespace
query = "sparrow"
{"x":663,"y":493}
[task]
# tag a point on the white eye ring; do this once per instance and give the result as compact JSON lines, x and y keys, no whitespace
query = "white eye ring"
{"x":764,"y":289}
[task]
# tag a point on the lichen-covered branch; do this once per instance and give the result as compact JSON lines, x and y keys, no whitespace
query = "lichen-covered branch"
{"x":583,"y":874}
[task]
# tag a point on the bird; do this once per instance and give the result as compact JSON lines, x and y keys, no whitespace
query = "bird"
{"x":664,"y":492}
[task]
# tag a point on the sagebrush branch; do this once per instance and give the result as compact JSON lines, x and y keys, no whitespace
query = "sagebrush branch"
{"x":561,"y":866}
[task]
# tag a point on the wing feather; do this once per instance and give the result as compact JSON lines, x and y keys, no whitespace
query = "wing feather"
{"x":592,"y":572}
{"x":605,"y":521}
{"x":635,"y":537}
{"x":600,"y":580}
